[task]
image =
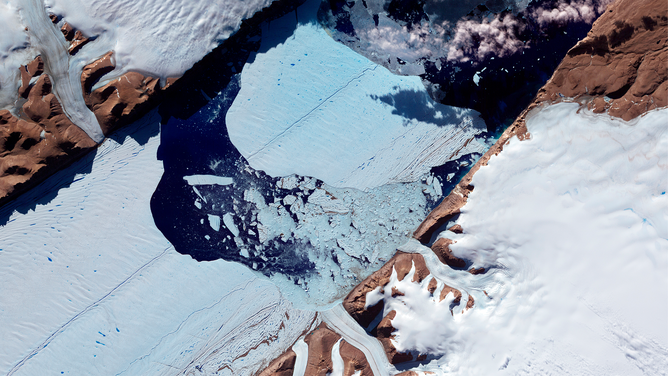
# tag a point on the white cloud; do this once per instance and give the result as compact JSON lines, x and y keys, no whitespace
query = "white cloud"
{"x":575,"y":11}
{"x":479,"y":40}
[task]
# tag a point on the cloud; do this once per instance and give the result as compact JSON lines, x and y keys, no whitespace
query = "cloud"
{"x":407,"y":44}
{"x":479,"y":40}
{"x":567,"y":12}
{"x":384,"y":39}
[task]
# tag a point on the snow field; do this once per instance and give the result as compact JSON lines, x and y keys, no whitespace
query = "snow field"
{"x":161,"y":38}
{"x":14,"y":51}
{"x":573,"y":225}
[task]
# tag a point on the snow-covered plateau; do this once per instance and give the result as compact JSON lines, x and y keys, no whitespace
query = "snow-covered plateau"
{"x":572,"y":227}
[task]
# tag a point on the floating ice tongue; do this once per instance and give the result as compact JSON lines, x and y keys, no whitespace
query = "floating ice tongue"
{"x":311,"y":106}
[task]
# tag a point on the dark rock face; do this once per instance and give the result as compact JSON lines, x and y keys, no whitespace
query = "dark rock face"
{"x":442,"y":250}
{"x":620,"y":67}
{"x":284,"y":365}
{"x":319,"y":363}
{"x":123,"y":100}
{"x":355,"y":302}
{"x":41,"y":140}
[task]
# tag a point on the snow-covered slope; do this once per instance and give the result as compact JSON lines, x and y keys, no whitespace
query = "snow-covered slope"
{"x":573,"y":230}
{"x":14,"y":51}
{"x":161,"y":38}
{"x":311,"y":106}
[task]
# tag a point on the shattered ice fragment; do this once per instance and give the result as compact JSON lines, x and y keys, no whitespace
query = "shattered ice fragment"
{"x":329,"y":203}
{"x":263,"y":233}
{"x":288,"y":182}
{"x":229,"y":223}
{"x":437,"y":188}
{"x":289,"y":200}
{"x":207,"y":180}
{"x":214,"y":222}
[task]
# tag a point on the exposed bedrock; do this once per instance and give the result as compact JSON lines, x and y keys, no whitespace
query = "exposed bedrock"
{"x":620,"y":67}
{"x":122,"y":100}
{"x":356,"y":305}
{"x":54,"y":49}
{"x":26,"y":159}
{"x":284,"y":365}
{"x":76,"y":38}
{"x":41,"y":140}
{"x":324,"y":348}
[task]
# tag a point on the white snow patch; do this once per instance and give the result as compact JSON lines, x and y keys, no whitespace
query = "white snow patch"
{"x":163,"y":38}
{"x":301,"y":350}
{"x":574,"y":223}
{"x":14,"y":51}
{"x":337,"y":361}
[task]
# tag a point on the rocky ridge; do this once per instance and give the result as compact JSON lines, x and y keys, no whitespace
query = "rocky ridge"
{"x":619,"y":68}
{"x":321,"y":342}
{"x":40,"y":139}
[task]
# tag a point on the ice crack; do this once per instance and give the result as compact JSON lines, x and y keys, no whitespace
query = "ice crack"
{"x":360,"y":75}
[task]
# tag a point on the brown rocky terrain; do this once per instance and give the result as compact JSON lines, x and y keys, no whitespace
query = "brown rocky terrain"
{"x":284,"y":365}
{"x":122,"y":100}
{"x":355,"y":302}
{"x":621,"y":68}
{"x":40,"y":140}
{"x":75,"y":37}
{"x":320,"y":343}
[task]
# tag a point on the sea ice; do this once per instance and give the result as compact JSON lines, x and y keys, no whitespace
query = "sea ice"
{"x":89,"y":283}
{"x":313,"y":107}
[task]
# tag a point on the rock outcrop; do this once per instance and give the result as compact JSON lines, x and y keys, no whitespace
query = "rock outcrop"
{"x":40,"y":140}
{"x":356,"y":305}
{"x":122,"y":100}
{"x":320,"y":343}
{"x":620,"y":67}
{"x":284,"y":365}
